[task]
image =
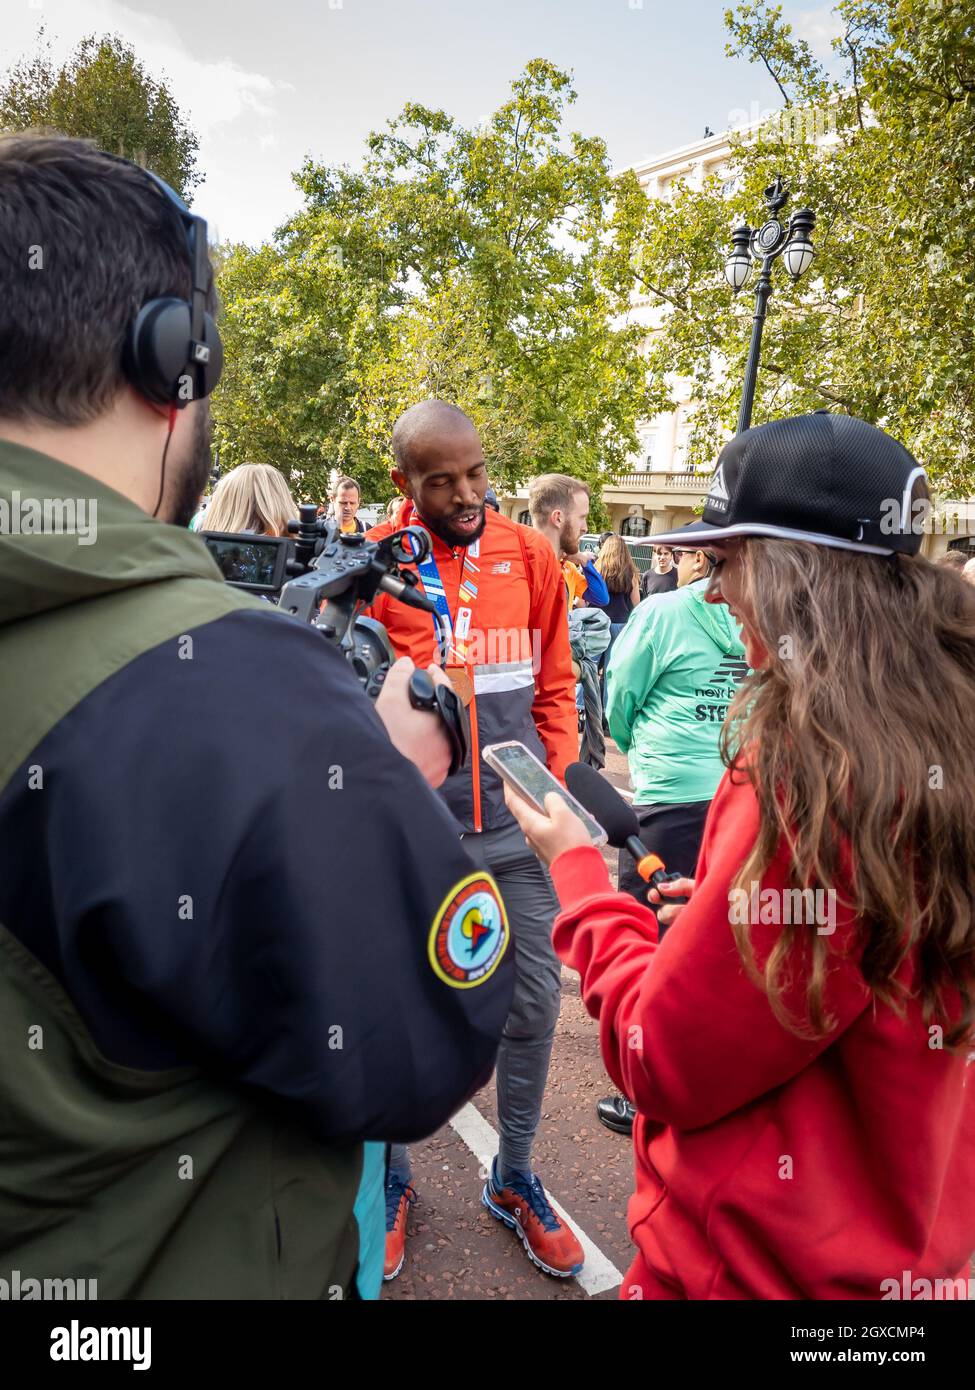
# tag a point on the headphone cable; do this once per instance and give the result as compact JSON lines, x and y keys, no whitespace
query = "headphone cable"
{"x":162,"y":470}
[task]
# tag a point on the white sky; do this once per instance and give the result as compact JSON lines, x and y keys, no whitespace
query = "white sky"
{"x":265,"y":84}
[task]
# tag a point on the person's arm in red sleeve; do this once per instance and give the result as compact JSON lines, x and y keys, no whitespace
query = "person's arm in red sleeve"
{"x":684,"y":1032}
{"x":554,"y":710}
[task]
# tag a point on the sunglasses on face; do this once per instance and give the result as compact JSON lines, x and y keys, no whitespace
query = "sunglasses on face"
{"x":679,"y":555}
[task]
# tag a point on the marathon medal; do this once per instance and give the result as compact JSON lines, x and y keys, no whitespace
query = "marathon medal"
{"x":460,"y":679}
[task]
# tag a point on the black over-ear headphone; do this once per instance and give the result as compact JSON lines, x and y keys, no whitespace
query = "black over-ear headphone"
{"x":173,"y":353}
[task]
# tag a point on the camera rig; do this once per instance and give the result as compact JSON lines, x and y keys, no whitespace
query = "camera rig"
{"x":340,"y":574}
{"x":334,"y":576}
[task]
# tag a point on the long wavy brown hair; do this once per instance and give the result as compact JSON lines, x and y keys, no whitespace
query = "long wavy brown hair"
{"x":615,"y":564}
{"x":859,"y":738}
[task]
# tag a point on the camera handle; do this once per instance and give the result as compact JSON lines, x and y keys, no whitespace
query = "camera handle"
{"x":442,"y":700}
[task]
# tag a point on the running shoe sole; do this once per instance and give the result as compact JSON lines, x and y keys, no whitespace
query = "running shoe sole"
{"x":514,"y":1224}
{"x":387,"y":1277}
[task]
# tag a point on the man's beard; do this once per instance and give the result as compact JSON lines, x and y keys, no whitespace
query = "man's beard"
{"x":189,"y":481}
{"x":449,"y":536}
{"x":568,"y":540}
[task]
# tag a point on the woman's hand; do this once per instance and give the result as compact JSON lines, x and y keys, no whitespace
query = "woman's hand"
{"x":676,"y":888}
{"x":549,"y":835}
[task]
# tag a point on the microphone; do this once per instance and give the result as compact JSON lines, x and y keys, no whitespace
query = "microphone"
{"x":619,"y":820}
{"x":407,"y":593}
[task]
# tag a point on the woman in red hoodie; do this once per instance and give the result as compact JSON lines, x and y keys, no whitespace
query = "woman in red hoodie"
{"x":799,"y":1046}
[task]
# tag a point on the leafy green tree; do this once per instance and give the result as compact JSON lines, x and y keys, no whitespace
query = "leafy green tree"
{"x":102,"y":92}
{"x":485,"y":266}
{"x":884,"y":153}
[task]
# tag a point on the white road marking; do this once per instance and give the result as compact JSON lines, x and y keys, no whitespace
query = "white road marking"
{"x":598,"y":1273}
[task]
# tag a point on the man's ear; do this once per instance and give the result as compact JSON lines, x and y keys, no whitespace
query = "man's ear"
{"x":402,"y":482}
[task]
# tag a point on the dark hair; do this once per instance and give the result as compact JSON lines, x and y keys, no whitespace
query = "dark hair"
{"x":346,"y":482}
{"x":85,"y":241}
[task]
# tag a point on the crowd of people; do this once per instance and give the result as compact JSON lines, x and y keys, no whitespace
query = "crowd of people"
{"x":670,"y":667}
{"x":270,"y":941}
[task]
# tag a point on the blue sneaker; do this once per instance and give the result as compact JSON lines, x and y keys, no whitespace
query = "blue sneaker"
{"x":522,"y":1205}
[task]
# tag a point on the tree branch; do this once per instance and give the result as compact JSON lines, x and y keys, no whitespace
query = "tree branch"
{"x":809,"y":385}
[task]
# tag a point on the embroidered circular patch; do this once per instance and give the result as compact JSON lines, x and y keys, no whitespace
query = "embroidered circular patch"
{"x":470,"y":933}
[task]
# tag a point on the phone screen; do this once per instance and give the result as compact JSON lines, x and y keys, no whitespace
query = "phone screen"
{"x":529,"y":776}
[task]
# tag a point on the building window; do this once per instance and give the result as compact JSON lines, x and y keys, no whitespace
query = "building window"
{"x":649,"y":444}
{"x":635,"y":526}
{"x":729,"y":188}
{"x":524,"y":518}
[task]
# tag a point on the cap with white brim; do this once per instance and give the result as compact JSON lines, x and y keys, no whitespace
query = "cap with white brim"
{"x":827,"y":479}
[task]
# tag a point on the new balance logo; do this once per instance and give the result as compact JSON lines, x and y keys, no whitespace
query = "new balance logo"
{"x":733,"y":668}
{"x":724,"y":681}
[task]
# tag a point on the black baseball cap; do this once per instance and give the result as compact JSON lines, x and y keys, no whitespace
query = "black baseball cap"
{"x":829,"y":479}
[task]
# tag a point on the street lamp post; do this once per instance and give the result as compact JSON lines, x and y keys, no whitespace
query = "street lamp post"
{"x":770,"y":241}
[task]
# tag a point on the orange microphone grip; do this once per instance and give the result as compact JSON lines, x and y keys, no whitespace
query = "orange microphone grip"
{"x":648,"y":866}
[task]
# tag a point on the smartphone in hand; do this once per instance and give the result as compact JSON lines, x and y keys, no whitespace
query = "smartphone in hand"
{"x":518,"y":767}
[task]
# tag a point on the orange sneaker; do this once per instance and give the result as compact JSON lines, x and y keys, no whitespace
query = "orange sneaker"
{"x":400,"y":1196}
{"x":523,"y":1206}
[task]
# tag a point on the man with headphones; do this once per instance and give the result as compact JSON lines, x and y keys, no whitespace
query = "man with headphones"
{"x":196,"y":1038}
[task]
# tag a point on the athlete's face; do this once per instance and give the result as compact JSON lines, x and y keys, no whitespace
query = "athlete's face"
{"x":447,"y":481}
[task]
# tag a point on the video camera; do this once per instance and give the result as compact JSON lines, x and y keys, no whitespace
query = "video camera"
{"x":333,"y":576}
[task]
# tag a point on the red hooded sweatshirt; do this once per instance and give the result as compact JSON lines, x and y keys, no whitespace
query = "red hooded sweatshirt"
{"x":768,"y":1166}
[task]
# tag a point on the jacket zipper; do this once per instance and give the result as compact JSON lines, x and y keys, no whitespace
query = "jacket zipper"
{"x":475,"y":741}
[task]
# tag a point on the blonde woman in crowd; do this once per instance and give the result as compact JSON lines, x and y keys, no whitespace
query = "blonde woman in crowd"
{"x":253,"y":497}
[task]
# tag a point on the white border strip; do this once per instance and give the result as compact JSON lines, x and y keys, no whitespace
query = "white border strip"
{"x":598,"y":1273}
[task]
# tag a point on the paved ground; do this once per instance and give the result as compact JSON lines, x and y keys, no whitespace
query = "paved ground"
{"x":455,"y":1249}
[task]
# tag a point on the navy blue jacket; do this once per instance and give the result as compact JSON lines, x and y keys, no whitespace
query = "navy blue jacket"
{"x":229,"y":863}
